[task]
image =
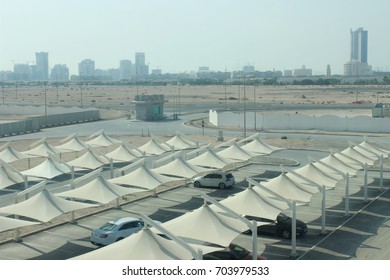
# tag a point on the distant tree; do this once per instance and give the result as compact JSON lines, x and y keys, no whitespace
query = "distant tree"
{"x":386,"y":79}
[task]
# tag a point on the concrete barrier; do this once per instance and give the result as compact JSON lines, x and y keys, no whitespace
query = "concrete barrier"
{"x":36,"y":123}
{"x":279,"y":121}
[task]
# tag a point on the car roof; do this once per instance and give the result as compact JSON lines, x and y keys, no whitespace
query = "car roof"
{"x":122,"y":220}
{"x":216,"y":172}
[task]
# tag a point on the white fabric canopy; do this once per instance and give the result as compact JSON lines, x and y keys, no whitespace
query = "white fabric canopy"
{"x":74,"y":144}
{"x":42,"y":150}
{"x":179,"y":143}
{"x":315,"y":174}
{"x":180,"y":168}
{"x":207,"y":225}
{"x":9,"y":223}
{"x":236,"y":152}
{"x":259,"y":147}
{"x":210,"y":159}
{"x":252,"y":203}
{"x":123,"y":154}
{"x":47,"y":169}
{"x":102,"y":140}
{"x":9,"y":154}
{"x":9,"y":178}
{"x":44,"y":207}
{"x":143,"y":177}
{"x":374,"y":148}
{"x":352,"y":153}
{"x":144,"y":245}
{"x":89,"y":160}
{"x":289,"y":189}
{"x":154,"y":148}
{"x":338,"y":164}
{"x":371,"y":154}
{"x":99,"y":190}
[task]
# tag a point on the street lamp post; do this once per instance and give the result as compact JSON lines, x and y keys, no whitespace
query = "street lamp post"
{"x":225,"y":92}
{"x":81,"y":91}
{"x":44,"y":85}
{"x":178,"y":83}
{"x":16,"y":90}
{"x":244,"y":109}
{"x":254,"y":101}
{"x":57,"y":85}
{"x":2,"y":90}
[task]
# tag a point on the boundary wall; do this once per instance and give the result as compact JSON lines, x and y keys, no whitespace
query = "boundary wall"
{"x":297,"y":121}
{"x":34,"y":124}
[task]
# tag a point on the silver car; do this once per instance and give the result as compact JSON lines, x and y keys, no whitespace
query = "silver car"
{"x":217,"y":179}
{"x":116,"y":230}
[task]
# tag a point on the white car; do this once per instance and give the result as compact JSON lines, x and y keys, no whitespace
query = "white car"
{"x":116,"y":230}
{"x":218,"y":179}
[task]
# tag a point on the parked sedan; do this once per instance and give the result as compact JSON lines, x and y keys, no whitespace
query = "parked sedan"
{"x":217,"y":179}
{"x":233,"y":252}
{"x":279,"y":227}
{"x":116,"y":230}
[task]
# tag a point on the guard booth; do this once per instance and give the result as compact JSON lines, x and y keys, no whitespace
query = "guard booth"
{"x":381,"y":110}
{"x":149,"y":107}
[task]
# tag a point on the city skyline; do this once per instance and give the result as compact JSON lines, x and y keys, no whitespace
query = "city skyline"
{"x":181,"y":36}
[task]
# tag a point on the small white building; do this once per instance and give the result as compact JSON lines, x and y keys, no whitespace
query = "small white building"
{"x":381,"y":110}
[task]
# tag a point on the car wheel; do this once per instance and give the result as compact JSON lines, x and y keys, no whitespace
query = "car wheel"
{"x":222,"y":185}
{"x":197,"y":184}
{"x":286,"y":234}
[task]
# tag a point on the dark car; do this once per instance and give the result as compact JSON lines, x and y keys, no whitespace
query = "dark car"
{"x":233,"y":252}
{"x":279,"y":227}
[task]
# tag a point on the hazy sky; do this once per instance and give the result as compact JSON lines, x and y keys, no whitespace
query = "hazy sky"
{"x":181,"y":35}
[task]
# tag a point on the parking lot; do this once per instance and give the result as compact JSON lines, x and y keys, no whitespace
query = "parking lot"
{"x":347,"y":236}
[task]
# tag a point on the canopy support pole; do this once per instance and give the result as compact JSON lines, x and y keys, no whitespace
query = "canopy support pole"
{"x":117,"y":203}
{"x":323,"y":211}
{"x":365,"y":182}
{"x":346,"y":195}
{"x":291,"y":204}
{"x":17,"y":235}
{"x":252,"y":225}
{"x":72,"y":219}
{"x":293,"y":231}
{"x":111,"y":168}
{"x":197,"y":254}
{"x":381,"y":173}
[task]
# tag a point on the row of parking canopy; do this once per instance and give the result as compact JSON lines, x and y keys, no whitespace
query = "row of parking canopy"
{"x":133,"y":178}
{"x":265,"y":199}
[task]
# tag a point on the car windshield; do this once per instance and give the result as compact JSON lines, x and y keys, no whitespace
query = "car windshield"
{"x":108,"y":226}
{"x":282,"y":218}
{"x":238,"y":252}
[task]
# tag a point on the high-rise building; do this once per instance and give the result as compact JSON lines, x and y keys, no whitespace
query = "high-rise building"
{"x":86,"y":68}
{"x":22,"y":72}
{"x":328,"y":71}
{"x":125,"y":69}
{"x":60,"y":73}
{"x":248,"y":69}
{"x":139,"y":58}
{"x":359,"y":43}
{"x":140,"y":69}
{"x":358,"y":63}
{"x":303,"y":72}
{"x":42,"y":69}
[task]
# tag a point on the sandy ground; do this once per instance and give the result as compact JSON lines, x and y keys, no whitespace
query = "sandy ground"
{"x":106,"y":97}
{"x":121,"y":95}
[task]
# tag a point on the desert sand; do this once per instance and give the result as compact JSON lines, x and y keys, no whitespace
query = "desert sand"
{"x":109,"y":97}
